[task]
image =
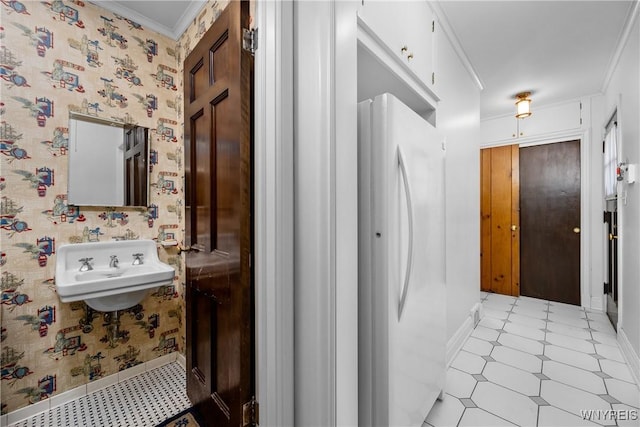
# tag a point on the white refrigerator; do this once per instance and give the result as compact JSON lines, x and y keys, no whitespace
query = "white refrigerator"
{"x":401,"y":289}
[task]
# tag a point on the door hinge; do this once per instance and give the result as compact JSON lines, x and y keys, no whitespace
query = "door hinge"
{"x":433,"y":26}
{"x":251,"y":413}
{"x":580,"y":113}
{"x":433,"y":78}
{"x":250,"y":40}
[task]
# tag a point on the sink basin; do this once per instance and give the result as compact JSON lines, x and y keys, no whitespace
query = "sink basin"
{"x":105,"y":287}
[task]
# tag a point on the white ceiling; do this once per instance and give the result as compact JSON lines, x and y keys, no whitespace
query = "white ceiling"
{"x":558,"y":50}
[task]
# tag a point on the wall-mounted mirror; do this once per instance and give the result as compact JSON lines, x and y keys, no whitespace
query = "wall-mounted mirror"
{"x":108,"y":163}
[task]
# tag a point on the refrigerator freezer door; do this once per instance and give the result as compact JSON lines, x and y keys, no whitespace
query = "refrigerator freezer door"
{"x":406,"y":284}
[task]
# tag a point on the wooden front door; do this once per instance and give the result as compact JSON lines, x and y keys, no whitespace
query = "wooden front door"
{"x":500,"y":237}
{"x":550,"y":219}
{"x":218,"y":76}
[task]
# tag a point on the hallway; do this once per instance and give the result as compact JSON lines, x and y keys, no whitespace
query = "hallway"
{"x":532,"y":362}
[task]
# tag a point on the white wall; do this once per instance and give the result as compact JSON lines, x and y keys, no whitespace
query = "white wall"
{"x":623,"y":91}
{"x":458,"y":118}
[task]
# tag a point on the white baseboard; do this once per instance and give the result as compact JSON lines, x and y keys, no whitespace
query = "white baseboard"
{"x":86,"y":389}
{"x":182,"y":361}
{"x":458,"y":339}
{"x":629,"y":354}
{"x":597,"y":304}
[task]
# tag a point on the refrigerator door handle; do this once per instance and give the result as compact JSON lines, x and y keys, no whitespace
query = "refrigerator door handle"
{"x":407,"y":275}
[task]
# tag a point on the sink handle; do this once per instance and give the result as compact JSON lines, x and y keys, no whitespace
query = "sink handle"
{"x":86,"y":264}
{"x":113,"y":263}
{"x":137,"y":259}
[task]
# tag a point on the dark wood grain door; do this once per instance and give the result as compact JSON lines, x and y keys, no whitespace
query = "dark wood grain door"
{"x":499,"y":213}
{"x":218,"y":77}
{"x":550,"y":221}
{"x":135,"y":163}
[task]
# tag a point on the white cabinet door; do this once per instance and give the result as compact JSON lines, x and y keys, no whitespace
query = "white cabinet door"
{"x":551,"y":120}
{"x":499,"y":129}
{"x":406,"y":28}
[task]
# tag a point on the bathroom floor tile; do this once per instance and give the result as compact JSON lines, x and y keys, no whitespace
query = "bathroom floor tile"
{"x":478,"y":346}
{"x":550,"y":416}
{"x":616,"y":370}
{"x":476,"y":417}
{"x":469,"y":363}
{"x":517,"y":359}
{"x":512,"y":378}
{"x":141,"y":401}
{"x":571,"y":399}
{"x":570,"y":342}
{"x":624,"y":392}
{"x":459,"y":384}
{"x":520,"y":343}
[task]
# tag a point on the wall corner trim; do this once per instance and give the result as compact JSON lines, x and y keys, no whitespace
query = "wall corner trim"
{"x":622,"y":41}
{"x":629,"y":355}
{"x":455,"y":343}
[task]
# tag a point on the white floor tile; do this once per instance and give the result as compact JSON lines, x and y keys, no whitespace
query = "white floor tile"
{"x":561,"y":305}
{"x":496,"y":314}
{"x":491,"y":323}
{"x":616,"y":370}
{"x":571,"y":399}
{"x":571,"y":357}
{"x":536,"y":312}
{"x":626,"y":415}
{"x":574,"y":377}
{"x":602,"y":326}
{"x":604,"y":338}
{"x":468,"y":362}
{"x":478,"y":346}
{"x":524,"y":331}
{"x":485,"y":333}
{"x":512,"y":378}
{"x":505,"y":403}
{"x":517,"y":359}
{"x":623,"y":391}
{"x":520,"y":343}
{"x":459,"y":384}
{"x":500,"y":297}
{"x":445,"y":412}
{"x":476,"y":417}
{"x":522,"y":300}
{"x":497,"y":305}
{"x":570,"y":342}
{"x":597,"y":315}
{"x":568,"y":330}
{"x":529,"y":321}
{"x":569,"y":320}
{"x":551,"y":416}
{"x":610,"y":352}
{"x":568,"y":311}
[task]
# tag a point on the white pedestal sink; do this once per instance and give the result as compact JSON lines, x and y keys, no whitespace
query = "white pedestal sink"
{"x":107,"y":283}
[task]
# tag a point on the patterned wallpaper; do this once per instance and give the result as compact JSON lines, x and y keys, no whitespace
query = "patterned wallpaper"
{"x":72,"y":56}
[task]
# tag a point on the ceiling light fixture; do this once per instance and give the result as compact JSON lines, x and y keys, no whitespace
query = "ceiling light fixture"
{"x":523,"y":105}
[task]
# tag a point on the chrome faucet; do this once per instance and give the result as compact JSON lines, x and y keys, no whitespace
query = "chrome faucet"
{"x":114,"y":261}
{"x":137,"y":259}
{"x":86,"y":264}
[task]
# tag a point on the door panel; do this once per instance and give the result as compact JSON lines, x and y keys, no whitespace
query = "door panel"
{"x":500,"y":220}
{"x":611,"y":287}
{"x":218,"y":186}
{"x":550,"y":217}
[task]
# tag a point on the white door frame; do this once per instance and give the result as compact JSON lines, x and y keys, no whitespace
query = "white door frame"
{"x":306,"y":270}
{"x":273,"y":198}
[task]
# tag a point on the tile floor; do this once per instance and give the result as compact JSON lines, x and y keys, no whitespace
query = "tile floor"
{"x":142,"y":401}
{"x":531,"y":362}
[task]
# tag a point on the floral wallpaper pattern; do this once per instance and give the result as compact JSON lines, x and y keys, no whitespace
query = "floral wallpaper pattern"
{"x":72,"y":56}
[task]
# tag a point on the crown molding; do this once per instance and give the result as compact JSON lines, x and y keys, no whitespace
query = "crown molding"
{"x":455,"y":43}
{"x":634,"y":10}
{"x":190,"y":12}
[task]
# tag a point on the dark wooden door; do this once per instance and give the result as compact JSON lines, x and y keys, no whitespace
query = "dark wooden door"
{"x":135,"y":163}
{"x":218,"y":77}
{"x":611,"y":286}
{"x":550,"y":220}
{"x":499,"y":210}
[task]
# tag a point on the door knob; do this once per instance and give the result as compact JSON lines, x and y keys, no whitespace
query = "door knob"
{"x":611,"y":236}
{"x":514,"y":227}
{"x":576,"y":230}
